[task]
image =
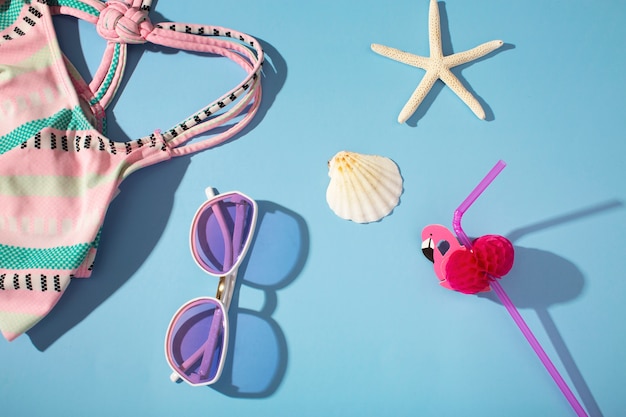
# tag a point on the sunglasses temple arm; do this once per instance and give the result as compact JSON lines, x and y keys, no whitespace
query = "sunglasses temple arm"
{"x":209,"y":346}
{"x":226,"y":294}
{"x":239,"y":226}
{"x":190,"y":361}
{"x":471,"y":198}
{"x":228,"y":249}
{"x":206,"y":350}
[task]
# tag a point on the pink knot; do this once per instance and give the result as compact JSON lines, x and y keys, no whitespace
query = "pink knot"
{"x":119,"y":22}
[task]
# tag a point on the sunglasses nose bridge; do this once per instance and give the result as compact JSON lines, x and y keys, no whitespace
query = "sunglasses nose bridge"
{"x":219,"y":294}
{"x":225,"y":289}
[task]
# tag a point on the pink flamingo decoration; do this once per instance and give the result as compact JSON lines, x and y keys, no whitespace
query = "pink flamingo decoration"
{"x":462,"y":269}
{"x":472,"y":267}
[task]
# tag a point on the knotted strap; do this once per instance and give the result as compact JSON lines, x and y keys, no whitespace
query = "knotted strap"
{"x":124,"y":23}
{"x":127,"y":22}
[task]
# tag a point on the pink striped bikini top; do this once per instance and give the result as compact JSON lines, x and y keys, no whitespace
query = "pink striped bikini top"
{"x":58,"y":169}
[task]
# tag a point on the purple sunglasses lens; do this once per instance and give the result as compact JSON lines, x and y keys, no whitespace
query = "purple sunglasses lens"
{"x":196,"y":341}
{"x":221,"y":231}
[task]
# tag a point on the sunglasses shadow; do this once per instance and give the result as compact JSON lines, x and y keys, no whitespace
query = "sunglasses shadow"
{"x":257,"y":354}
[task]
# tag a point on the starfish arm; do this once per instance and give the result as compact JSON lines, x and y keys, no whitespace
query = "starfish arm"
{"x":434,"y":30}
{"x":418,"y":96}
{"x":400,"y":56}
{"x":455,"y":85}
{"x":454,"y":60}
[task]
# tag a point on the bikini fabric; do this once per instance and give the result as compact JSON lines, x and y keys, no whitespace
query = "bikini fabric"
{"x":58,"y":169}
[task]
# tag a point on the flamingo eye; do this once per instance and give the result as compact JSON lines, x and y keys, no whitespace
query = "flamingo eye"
{"x":443,"y":246}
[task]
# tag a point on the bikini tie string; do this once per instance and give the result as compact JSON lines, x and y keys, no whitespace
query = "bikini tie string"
{"x":124,"y":23}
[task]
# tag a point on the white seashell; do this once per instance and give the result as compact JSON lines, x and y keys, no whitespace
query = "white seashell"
{"x":363,"y":188}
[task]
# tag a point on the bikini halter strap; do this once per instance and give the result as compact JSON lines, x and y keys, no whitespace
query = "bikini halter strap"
{"x":127,"y":22}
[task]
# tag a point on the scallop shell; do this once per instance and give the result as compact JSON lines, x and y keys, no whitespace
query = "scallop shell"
{"x":363,"y":188}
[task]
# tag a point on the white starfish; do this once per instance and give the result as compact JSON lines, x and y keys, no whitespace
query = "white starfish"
{"x":438,"y":66}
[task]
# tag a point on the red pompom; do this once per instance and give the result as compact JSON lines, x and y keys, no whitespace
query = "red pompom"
{"x":464,"y":272}
{"x":469,"y":272}
{"x":495,"y":253}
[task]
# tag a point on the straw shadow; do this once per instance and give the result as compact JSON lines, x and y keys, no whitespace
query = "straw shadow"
{"x":258,"y":356}
{"x":540,"y":279}
{"x":566,"y":218}
{"x":446,"y":45}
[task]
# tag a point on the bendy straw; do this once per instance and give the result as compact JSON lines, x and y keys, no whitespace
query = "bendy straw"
{"x":503,"y":296}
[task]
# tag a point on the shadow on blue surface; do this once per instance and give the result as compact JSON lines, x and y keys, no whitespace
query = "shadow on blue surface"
{"x":540,"y":279}
{"x":257,"y":357}
{"x":132,"y":227}
{"x":133,"y":223}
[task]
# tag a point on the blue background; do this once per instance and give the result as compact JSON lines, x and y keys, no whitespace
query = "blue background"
{"x":335,"y":318}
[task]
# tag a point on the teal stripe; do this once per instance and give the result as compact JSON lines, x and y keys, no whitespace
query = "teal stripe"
{"x":109,"y":77}
{"x":9,"y":11}
{"x":64,"y":120}
{"x":60,"y":257}
{"x":96,"y":242}
{"x":75,"y":4}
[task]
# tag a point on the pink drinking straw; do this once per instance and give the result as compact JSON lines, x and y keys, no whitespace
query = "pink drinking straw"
{"x":504,"y":298}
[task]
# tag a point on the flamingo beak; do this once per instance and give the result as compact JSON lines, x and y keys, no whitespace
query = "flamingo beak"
{"x":428,"y":249}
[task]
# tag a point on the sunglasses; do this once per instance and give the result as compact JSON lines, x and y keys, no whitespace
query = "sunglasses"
{"x":197,"y":336}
